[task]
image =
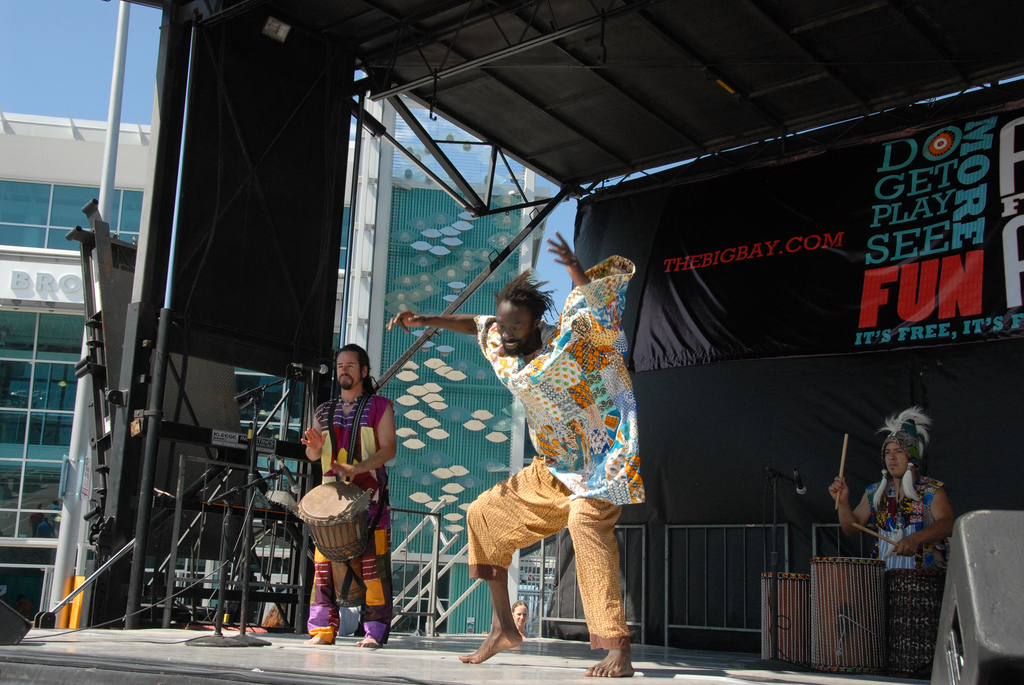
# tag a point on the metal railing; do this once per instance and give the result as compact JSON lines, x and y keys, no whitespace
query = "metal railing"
{"x":707,"y":555}
{"x":628,"y":571}
{"x":410,"y":597}
{"x":278,"y":572}
{"x":829,"y":540}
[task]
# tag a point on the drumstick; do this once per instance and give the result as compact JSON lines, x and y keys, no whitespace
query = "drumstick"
{"x":871,"y":532}
{"x":880,"y":537}
{"x":842,"y":462}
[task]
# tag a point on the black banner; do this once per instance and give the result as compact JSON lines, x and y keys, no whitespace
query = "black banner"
{"x":905,"y":242}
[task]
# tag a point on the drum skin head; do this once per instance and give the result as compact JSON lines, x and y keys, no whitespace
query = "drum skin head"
{"x":331,"y":500}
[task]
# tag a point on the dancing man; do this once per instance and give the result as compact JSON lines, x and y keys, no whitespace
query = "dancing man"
{"x":374,"y":447}
{"x":580,"y":409}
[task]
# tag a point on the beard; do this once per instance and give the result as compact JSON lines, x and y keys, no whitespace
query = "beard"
{"x":512,"y":349}
{"x":346,"y":383}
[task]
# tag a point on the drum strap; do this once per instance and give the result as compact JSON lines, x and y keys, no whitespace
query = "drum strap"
{"x":357,"y":427}
{"x":353,"y":434}
{"x":353,"y":445}
{"x":385,"y":496}
{"x":345,"y":591}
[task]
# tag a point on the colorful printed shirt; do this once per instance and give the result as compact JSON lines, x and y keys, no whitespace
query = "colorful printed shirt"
{"x":578,"y":396}
{"x":906,"y":517}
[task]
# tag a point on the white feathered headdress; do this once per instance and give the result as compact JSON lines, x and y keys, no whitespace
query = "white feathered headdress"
{"x":909,"y":429}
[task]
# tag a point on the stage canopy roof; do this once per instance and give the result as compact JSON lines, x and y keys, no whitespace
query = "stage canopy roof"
{"x":584,"y":91}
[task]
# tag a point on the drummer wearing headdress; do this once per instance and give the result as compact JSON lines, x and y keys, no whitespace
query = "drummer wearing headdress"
{"x":358,"y":408}
{"x":906,"y":507}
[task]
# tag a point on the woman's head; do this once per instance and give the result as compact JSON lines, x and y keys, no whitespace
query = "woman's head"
{"x":521,"y":615}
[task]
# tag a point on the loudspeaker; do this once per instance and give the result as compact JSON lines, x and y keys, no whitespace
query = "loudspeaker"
{"x":981,"y":638}
{"x":13,"y":625}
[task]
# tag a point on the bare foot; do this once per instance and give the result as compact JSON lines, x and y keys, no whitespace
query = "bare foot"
{"x":494,"y":642}
{"x":618,"y":664}
{"x":317,"y":640}
{"x":369,"y":643}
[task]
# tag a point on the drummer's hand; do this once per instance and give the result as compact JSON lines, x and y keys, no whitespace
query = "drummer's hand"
{"x":907,"y":547}
{"x":313,"y":438}
{"x":406,"y":318}
{"x":839,"y":490}
{"x":344,"y":470}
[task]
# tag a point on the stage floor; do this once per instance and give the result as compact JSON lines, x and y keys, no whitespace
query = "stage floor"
{"x":118,"y":657}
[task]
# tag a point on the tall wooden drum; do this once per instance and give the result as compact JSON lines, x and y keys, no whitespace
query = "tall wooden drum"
{"x":336,"y":516}
{"x":848,"y":614}
{"x":794,"y":608}
{"x":913,"y":605}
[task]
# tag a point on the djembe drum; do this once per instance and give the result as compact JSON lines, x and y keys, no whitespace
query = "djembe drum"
{"x":848,"y":614}
{"x":913,"y":605}
{"x":336,"y":516}
{"x":794,"y":610}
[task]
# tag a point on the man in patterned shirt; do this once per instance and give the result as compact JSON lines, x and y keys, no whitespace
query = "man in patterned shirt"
{"x":581,"y":414}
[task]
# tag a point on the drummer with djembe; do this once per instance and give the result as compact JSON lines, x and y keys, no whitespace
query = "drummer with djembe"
{"x":353,"y":436}
{"x":910,"y":517}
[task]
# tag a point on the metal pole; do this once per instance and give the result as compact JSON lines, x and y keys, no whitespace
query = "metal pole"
{"x":350,"y":281}
{"x":154,"y":415}
{"x":96,"y":574}
{"x":435,"y":559}
{"x":78,"y":453}
{"x":155,"y":412}
{"x":666,"y":587}
{"x":542,"y":623}
{"x":244,"y":565}
{"x":773,"y":601}
{"x":76,"y":462}
{"x":114,"y":111}
{"x":172,"y":557}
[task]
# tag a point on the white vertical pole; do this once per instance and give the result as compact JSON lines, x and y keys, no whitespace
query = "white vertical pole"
{"x":71,"y":493}
{"x":78,"y":459}
{"x":114,"y":114}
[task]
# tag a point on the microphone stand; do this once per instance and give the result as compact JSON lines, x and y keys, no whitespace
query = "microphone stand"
{"x":252,"y":396}
{"x":218,"y":639}
{"x":774,"y":477}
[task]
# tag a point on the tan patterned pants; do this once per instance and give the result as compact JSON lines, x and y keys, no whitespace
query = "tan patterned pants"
{"x":533,"y":505}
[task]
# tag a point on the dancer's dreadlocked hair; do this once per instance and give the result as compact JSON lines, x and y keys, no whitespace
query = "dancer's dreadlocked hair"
{"x":524,"y":291}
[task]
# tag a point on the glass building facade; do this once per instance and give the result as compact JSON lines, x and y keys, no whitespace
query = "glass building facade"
{"x":38,"y":352}
{"x":41,"y":214}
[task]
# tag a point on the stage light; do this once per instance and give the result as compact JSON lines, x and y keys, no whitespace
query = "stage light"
{"x":276,"y":29}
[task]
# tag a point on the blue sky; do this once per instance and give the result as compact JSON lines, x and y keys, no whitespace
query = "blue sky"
{"x":57,"y":56}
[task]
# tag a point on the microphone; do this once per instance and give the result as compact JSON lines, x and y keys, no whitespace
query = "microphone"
{"x":799,"y":482}
{"x":315,"y":368}
{"x":292,"y":485}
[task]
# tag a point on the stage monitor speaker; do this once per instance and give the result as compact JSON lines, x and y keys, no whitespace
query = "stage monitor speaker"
{"x":980,"y":639}
{"x":13,"y":625}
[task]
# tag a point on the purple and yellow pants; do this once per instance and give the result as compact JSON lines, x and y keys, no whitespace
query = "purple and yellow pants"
{"x":373,"y":567}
